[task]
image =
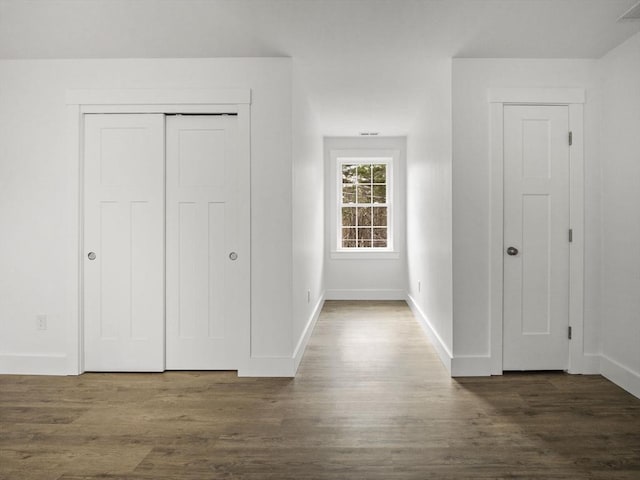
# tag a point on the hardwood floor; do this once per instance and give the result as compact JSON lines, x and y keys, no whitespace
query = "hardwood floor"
{"x":371,"y":401}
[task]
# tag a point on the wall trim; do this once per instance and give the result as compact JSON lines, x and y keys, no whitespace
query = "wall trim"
{"x":471,"y":366}
{"x":573,"y":98}
{"x":365,"y":294}
{"x":434,"y":338}
{"x":621,"y":375}
{"x":306,"y":333}
{"x":34,"y":364}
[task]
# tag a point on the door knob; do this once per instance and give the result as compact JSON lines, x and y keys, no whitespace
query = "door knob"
{"x":91,"y":256}
{"x":233,"y":256}
{"x":512,"y":251}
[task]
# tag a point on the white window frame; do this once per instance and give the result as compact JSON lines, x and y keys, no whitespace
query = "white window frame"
{"x":347,"y":156}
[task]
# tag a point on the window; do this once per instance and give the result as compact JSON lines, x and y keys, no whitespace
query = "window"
{"x":364,"y":204}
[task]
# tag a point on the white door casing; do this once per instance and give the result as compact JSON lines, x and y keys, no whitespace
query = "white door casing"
{"x":574,"y":99}
{"x":205,"y":283}
{"x":536,"y":224}
{"x":124,"y":228}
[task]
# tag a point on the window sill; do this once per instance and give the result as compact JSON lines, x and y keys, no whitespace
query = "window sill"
{"x":364,"y":255}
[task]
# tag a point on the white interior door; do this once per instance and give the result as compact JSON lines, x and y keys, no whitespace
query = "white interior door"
{"x":124,"y":242}
{"x":536,"y":237}
{"x":204,"y":261}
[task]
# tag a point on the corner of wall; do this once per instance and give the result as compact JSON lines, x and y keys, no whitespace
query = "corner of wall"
{"x":307,"y":216}
{"x":429,"y":221}
{"x":619,"y":124}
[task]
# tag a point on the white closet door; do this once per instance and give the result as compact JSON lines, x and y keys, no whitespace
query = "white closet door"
{"x":204,"y":264}
{"x":536,"y":237}
{"x":124,"y":242}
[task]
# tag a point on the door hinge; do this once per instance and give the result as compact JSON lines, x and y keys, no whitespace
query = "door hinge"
{"x":569,"y":333}
{"x":570,"y":138}
{"x":570,"y":235}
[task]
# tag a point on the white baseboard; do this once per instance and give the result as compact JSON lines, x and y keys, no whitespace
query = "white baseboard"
{"x":441,"y":348}
{"x":34,"y":364}
{"x":306,"y":333}
{"x":471,"y":366}
{"x":591,"y":364}
{"x":621,"y":375}
{"x":365,"y":294}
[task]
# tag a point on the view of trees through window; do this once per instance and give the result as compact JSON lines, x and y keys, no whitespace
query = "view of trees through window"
{"x":364,"y":205}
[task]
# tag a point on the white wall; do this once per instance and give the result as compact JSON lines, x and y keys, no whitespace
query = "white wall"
{"x":372,"y":276}
{"x":620,"y":154}
{"x":429,"y":214}
{"x":39,"y":194}
{"x":308,"y":219}
{"x":471,"y":190}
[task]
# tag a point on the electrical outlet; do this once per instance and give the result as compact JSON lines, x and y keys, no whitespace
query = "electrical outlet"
{"x":41,"y":322}
{"x":308,"y":296}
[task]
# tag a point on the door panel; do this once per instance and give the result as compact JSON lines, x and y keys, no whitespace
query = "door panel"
{"x":536,"y":223}
{"x":124,"y":227}
{"x":202,"y":229}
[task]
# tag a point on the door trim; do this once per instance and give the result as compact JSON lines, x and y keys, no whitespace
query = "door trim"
{"x":574,"y":99}
{"x":140,"y":101}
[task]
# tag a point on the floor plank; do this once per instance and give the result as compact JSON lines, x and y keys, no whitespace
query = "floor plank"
{"x":370,"y":401}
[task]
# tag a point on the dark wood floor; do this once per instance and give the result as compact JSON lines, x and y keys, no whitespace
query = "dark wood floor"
{"x":371,"y":401}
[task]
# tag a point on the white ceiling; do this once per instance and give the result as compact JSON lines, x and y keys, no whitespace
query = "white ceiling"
{"x":364,"y":62}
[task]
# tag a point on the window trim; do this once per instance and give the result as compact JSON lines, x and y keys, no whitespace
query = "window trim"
{"x":340,"y":157}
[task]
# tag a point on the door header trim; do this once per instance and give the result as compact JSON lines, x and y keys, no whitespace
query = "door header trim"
{"x":150,"y":96}
{"x":546,"y":96}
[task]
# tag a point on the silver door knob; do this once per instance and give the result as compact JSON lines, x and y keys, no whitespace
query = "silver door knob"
{"x":91,"y":256}
{"x":233,"y":256}
{"x":512,"y":251}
